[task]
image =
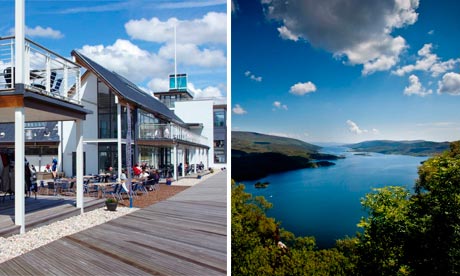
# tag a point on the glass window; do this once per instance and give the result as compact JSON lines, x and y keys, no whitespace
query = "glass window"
{"x":219,"y":118}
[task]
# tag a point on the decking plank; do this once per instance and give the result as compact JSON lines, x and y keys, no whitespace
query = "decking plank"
{"x":184,"y":235}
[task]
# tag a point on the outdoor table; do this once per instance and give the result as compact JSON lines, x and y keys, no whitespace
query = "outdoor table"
{"x":101,"y":186}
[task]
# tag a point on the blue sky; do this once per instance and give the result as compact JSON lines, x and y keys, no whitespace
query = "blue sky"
{"x":135,"y":37}
{"x":346,"y":71}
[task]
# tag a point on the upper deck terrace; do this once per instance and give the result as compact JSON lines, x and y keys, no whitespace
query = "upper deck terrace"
{"x":51,"y":84}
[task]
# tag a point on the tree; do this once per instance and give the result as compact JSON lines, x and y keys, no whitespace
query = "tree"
{"x":255,"y":249}
{"x":382,"y":244}
{"x":435,"y":211}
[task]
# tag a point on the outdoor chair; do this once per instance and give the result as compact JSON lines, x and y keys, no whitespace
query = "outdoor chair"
{"x":141,"y":187}
{"x":8,"y":75}
{"x":89,"y":189}
{"x":57,"y":86}
{"x":112,"y":192}
{"x":51,"y":186}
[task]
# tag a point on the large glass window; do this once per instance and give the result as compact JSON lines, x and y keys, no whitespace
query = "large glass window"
{"x":219,"y":151}
{"x":107,"y":114}
{"x":219,"y":118}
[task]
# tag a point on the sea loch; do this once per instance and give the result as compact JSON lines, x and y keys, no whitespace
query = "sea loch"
{"x":325,"y":202}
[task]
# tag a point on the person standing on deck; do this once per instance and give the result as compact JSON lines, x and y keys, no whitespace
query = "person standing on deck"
{"x":54,"y":167}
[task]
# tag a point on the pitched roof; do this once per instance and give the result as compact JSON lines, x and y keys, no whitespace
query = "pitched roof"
{"x":127,"y":90}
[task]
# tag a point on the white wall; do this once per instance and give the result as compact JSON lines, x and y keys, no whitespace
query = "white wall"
{"x":199,"y":111}
{"x":88,"y":94}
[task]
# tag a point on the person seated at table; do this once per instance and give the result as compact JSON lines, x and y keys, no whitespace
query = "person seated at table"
{"x":145,"y":174}
{"x":152,"y":179}
{"x":108,"y":174}
{"x":123,"y":175}
{"x":137,"y":170}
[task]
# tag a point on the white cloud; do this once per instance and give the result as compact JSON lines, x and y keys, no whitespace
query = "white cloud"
{"x":252,"y":76}
{"x":238,"y":110}
{"x":427,"y":62}
{"x":162,"y":85}
{"x":450,"y":84}
{"x":279,"y":105}
{"x":128,"y":60}
{"x":158,"y":84}
{"x":354,"y":128}
{"x":190,"y":54}
{"x":431,"y":32}
{"x":212,"y":28}
{"x":416,"y":88}
{"x":358,"y":30}
{"x":208,"y":92}
{"x":301,"y":89}
{"x":286,"y":34}
{"x":40,"y":31}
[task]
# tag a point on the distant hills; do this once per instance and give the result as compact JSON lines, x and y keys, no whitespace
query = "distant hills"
{"x":413,"y":148}
{"x":255,"y":155}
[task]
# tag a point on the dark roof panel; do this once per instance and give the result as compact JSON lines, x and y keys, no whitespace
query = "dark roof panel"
{"x":129,"y":90}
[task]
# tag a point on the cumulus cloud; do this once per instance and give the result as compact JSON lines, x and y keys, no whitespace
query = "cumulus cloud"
{"x":40,"y":31}
{"x":208,"y":92}
{"x":416,"y":88}
{"x":162,"y":85}
{"x":211,"y":28}
{"x":301,"y":89}
{"x":286,"y":34}
{"x":158,"y":84}
{"x":278,"y":105}
{"x":450,"y":84}
{"x":431,"y":32}
{"x":358,"y":30}
{"x":128,"y":60}
{"x":238,"y":110}
{"x":427,"y":61}
{"x":252,"y":76}
{"x":190,"y":54}
{"x":354,"y":128}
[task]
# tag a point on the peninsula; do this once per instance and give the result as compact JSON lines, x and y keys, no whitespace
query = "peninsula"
{"x":255,"y":155}
{"x":412,"y":148}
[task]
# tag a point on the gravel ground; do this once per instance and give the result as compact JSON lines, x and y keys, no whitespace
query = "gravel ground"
{"x":16,"y":245}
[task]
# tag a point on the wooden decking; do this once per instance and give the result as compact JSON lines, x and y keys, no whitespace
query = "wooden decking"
{"x":40,"y":211}
{"x":184,"y":235}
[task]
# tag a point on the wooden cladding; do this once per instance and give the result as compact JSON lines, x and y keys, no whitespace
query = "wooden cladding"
{"x":11,"y":101}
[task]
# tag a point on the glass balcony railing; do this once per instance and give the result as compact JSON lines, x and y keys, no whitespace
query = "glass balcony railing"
{"x":169,"y":131}
{"x":49,"y":73}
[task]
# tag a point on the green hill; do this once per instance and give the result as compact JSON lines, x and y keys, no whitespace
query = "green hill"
{"x":413,"y":148}
{"x":252,"y":142}
{"x":256,"y":155}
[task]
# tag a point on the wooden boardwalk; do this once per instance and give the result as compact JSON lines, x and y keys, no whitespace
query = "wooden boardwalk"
{"x":184,"y":235}
{"x":42,"y":211}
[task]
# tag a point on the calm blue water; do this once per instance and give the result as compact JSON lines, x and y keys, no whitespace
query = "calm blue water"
{"x":325,"y":202}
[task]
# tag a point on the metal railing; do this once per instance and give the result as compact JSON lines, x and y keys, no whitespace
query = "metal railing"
{"x":169,"y":131}
{"x":49,"y":73}
{"x":170,"y":103}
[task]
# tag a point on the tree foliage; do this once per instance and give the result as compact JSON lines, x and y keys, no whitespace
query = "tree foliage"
{"x":416,"y":234}
{"x":404,"y":233}
{"x":255,"y":248}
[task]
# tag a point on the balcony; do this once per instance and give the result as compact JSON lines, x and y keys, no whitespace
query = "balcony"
{"x":170,"y":132}
{"x":50,"y":74}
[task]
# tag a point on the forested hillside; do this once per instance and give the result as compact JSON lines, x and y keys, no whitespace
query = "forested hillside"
{"x":405,"y":233}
